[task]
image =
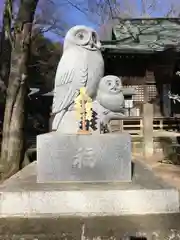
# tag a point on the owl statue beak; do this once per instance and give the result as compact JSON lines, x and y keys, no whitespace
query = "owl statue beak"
{"x":94,"y":45}
{"x":98,"y":45}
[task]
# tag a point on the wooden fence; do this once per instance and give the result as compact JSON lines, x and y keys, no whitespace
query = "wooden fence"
{"x":134,"y":125}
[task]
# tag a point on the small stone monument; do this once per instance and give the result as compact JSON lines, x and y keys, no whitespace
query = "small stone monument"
{"x":72,"y":152}
{"x":109,"y":102}
{"x":83,"y":157}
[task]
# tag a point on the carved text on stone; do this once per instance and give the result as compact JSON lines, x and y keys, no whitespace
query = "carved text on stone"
{"x":84,"y":158}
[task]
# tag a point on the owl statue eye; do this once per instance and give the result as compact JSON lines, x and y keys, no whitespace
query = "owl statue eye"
{"x":109,"y":83}
{"x":81,"y":36}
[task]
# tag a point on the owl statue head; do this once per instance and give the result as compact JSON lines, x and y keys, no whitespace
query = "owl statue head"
{"x":110,"y":84}
{"x":109,"y":93}
{"x":82,"y":36}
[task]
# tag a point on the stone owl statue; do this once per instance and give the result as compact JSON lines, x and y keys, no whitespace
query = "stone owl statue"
{"x":109,"y":93}
{"x":109,"y":103}
{"x":81,"y":65}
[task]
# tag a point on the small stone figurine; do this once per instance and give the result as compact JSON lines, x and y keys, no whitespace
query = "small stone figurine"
{"x":109,"y":102}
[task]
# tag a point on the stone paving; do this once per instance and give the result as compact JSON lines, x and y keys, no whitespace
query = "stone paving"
{"x":167,"y":172}
{"x":155,"y":227}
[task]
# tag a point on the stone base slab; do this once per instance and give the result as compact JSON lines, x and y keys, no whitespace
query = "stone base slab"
{"x":21,"y":196}
{"x":88,"y":203}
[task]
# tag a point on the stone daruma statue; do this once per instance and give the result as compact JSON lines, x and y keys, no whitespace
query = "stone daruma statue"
{"x":81,"y":65}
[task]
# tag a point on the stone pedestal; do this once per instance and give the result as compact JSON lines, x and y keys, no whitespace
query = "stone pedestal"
{"x":22,"y":196}
{"x":83,"y":158}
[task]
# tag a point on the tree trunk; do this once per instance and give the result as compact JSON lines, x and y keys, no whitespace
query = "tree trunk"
{"x":5,"y":45}
{"x":13,"y":143}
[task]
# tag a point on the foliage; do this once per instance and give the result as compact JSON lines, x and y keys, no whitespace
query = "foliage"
{"x":49,"y":17}
{"x":45,"y":56}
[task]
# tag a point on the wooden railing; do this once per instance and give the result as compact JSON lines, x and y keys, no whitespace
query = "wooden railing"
{"x":134,"y":125}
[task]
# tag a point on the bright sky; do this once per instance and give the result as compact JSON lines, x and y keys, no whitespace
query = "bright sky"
{"x":74,"y":17}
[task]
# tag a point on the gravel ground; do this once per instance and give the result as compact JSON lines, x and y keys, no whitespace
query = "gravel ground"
{"x":109,"y":228}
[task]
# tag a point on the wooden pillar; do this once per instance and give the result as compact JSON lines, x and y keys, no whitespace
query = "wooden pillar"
{"x":166,"y":100}
{"x":148,"y":129}
{"x":148,"y":147}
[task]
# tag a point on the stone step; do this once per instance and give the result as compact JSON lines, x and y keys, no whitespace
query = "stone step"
{"x":22,"y":196}
{"x":88,"y":202}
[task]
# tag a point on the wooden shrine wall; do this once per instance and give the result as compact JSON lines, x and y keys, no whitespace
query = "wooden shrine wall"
{"x":139,"y":71}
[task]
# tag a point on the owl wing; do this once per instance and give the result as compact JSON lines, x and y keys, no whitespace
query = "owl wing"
{"x":71,"y":75}
{"x":95,"y":73}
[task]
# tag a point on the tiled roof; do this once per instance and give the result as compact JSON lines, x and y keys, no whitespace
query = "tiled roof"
{"x":149,"y":35}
